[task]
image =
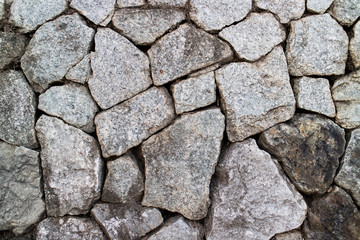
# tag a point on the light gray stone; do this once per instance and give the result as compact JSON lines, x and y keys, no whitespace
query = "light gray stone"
{"x":254,"y":37}
{"x":255,"y":96}
{"x":354,"y":47}
{"x":99,"y":12}
{"x":180,"y":161}
{"x":2,"y":9}
{"x":205,"y":70}
{"x":12,"y":46}
{"x":21,"y":203}
{"x":129,"y":123}
{"x":72,"y":167}
{"x":120,"y":70}
{"x":130,"y":3}
{"x":316,"y":45}
{"x":318,"y":6}
{"x":54,"y":49}
{"x":345,"y":11}
{"x":81,"y":72}
{"x":293,"y":235}
{"x":169,"y":3}
{"x":185,"y":50}
{"x":251,"y":198}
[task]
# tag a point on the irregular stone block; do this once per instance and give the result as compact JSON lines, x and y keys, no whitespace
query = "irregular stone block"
{"x":293,"y":235}
{"x":12,"y":46}
{"x":169,"y":3}
{"x":318,"y":6}
{"x":99,"y":12}
{"x":81,"y":72}
{"x":130,"y":3}
{"x":345,"y":11}
{"x":354,"y":47}
{"x":287,"y":10}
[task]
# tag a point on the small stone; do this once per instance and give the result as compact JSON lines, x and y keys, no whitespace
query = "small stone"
{"x":72,"y":103}
{"x":215,"y":15}
{"x":309,"y":147}
{"x":184,"y":50}
{"x":81,"y":72}
{"x":251,"y":199}
{"x":255,"y":96}
{"x":21,"y":203}
{"x":12,"y":46}
{"x":55,"y":47}
{"x":130,"y":3}
{"x":72,"y":167}
{"x":292,"y":235}
{"x":254,"y":37}
{"x":99,"y":12}
{"x":318,"y":6}
{"x":317,"y":45}
{"x":169,"y":3}
{"x":345,"y":11}
{"x":120,"y":70}
{"x":144,"y":26}
{"x":129,"y":123}
{"x":354,"y":47}
{"x":194,"y":93}
{"x":129,"y":221}
{"x":124,"y":181}
{"x":17,"y":110}
{"x":180,"y":161}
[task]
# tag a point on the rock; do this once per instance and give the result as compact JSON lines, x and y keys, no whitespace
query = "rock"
{"x":215,"y":15}
{"x":316,"y":45}
{"x":318,"y":6}
{"x":144,"y":26}
{"x":168,"y":3}
{"x":180,"y":161}
{"x":254,"y":37}
{"x":12,"y":46}
{"x":293,"y":235}
{"x":17,"y":110}
{"x":81,"y":72}
{"x":129,"y":123}
{"x":124,"y":181}
{"x":184,"y":50}
{"x":72,"y":167}
{"x":29,"y":14}
{"x":130,"y":3}
{"x":99,"y":12}
{"x":115,"y":80}
{"x":194,"y":93}
{"x":68,"y":39}
{"x":313,"y":94}
{"x":205,"y":70}
{"x":251,"y":199}
{"x":72,"y":103}
{"x":2,"y":9}
{"x":354,"y":47}
{"x":309,"y":147}
{"x":255,"y":96}
{"x":21,"y":203}
{"x":129,"y":221}
{"x":345,"y":11}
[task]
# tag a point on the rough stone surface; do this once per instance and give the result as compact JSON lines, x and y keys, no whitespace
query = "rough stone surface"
{"x":20,"y":194}
{"x":250,"y":198}
{"x":254,"y":37}
{"x":184,"y":50}
{"x":99,"y":12}
{"x":12,"y":46}
{"x":72,"y":167}
{"x":345,"y":11}
{"x":115,"y":80}
{"x":2,"y":9}
{"x":130,"y":3}
{"x":293,"y":235}
{"x":318,"y":6}
{"x":144,"y":26}
{"x":205,"y":70}
{"x":316,"y":45}
{"x":54,"y":49}
{"x":81,"y":72}
{"x":309,"y":147}
{"x":354,"y":47}
{"x":179,"y":163}
{"x":129,"y":123}
{"x":255,"y":96}
{"x":170,"y":3}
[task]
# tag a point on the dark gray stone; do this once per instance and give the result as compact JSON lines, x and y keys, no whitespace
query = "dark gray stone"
{"x":12,"y":46}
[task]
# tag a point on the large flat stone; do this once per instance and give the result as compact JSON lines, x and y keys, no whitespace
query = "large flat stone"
{"x":12,"y":46}
{"x":318,"y":6}
{"x":345,"y":11}
{"x":287,"y":10}
{"x":99,"y":12}
{"x":354,"y":47}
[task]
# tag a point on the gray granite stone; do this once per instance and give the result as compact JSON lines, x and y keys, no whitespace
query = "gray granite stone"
{"x":130,"y":3}
{"x":98,"y":12}
{"x":205,"y":70}
{"x":287,"y":10}
{"x":80,"y":73}
{"x":345,"y":11}
{"x":2,"y":9}
{"x":168,"y":3}
{"x":354,"y":47}
{"x":12,"y":46}
{"x":318,"y":6}
{"x":292,"y":235}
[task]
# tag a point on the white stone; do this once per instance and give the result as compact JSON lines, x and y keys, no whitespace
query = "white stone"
{"x":345,"y":11}
{"x":170,"y":3}
{"x":130,"y":3}
{"x":318,"y":6}
{"x":354,"y":47}
{"x":81,"y":72}
{"x":2,"y":10}
{"x":99,"y":12}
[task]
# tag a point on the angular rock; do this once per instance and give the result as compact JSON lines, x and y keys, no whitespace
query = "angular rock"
{"x":72,"y":167}
{"x":345,"y":11}
{"x":354,"y":47}
{"x":54,"y":49}
{"x":99,"y":12}
{"x":120,"y":70}
{"x":293,"y":235}
{"x":130,"y":3}
{"x":180,"y":161}
{"x":129,"y":123}
{"x":251,"y":199}
{"x":81,"y":72}
{"x":21,"y":203}
{"x":184,"y":50}
{"x":309,"y":147}
{"x":12,"y":46}
{"x":254,"y":37}
{"x":144,"y":26}
{"x":318,"y":6}
{"x":316,"y":45}
{"x":17,"y":110}
{"x":169,"y":3}
{"x":255,"y":96}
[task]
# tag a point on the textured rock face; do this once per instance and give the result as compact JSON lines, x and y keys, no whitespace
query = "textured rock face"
{"x":250,"y":197}
{"x":81,"y":72}
{"x":12,"y":46}
{"x":318,"y":6}
{"x":99,"y":12}
{"x":179,"y":163}
{"x":255,"y":96}
{"x":72,"y":167}
{"x":293,"y":235}
{"x":170,"y":3}
{"x":345,"y":11}
{"x":130,"y":3}
{"x":309,"y":147}
{"x":354,"y":47}
{"x":20,"y":199}
{"x":2,"y":9}
{"x":287,"y":10}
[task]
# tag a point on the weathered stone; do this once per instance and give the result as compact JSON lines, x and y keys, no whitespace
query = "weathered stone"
{"x":54,"y":49}
{"x":81,"y":72}
{"x":99,"y":12}
{"x":293,"y":235}
{"x":144,"y":26}
{"x":2,"y":9}
{"x":120,"y":70}
{"x":205,"y":70}
{"x":184,"y":50}
{"x":12,"y":46}
{"x":170,"y":3}
{"x":72,"y":167}
{"x":21,"y":203}
{"x":255,"y":96}
{"x":354,"y":47}
{"x":251,"y":199}
{"x":316,"y":45}
{"x":17,"y":110}
{"x":130,"y":3}
{"x":128,"y":221}
{"x":318,"y":6}
{"x":129,"y":123}
{"x":179,"y":163}
{"x":345,"y":11}
{"x":72,"y":103}
{"x":309,"y":147}
{"x":254,"y":37}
